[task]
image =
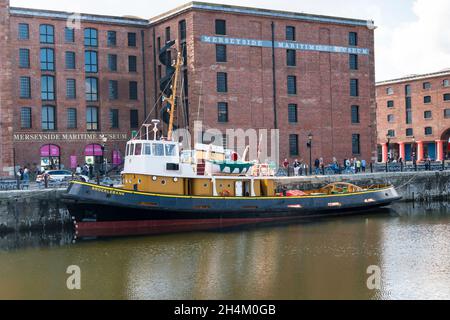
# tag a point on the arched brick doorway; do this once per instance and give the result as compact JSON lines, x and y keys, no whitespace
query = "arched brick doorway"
{"x":446,"y":144}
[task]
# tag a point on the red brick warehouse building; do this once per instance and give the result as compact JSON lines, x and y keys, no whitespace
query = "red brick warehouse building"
{"x":69,"y":88}
{"x":414,"y":117}
{"x":63,"y":89}
{"x":264,"y":69}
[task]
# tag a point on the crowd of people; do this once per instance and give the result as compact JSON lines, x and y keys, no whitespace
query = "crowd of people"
{"x":85,"y":170}
{"x":301,"y":168}
{"x":26,"y":174}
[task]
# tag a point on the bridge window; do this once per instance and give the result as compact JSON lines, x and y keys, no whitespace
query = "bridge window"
{"x":138,"y":149}
{"x":170,"y":150}
{"x":158,"y":149}
{"x":147,"y":149}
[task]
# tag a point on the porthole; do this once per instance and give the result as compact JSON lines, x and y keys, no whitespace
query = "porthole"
{"x":139,"y":181}
{"x":155,"y":178}
{"x":163,"y":182}
{"x":175,"y":179}
{"x":221,"y":186}
{"x":205,"y":185}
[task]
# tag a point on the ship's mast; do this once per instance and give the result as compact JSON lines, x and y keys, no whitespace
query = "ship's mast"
{"x":173,"y":98}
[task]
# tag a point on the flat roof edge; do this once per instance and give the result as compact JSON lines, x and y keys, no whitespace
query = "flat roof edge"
{"x":414,"y":78}
{"x":83,"y":16}
{"x":191,"y":6}
{"x":261,"y":12}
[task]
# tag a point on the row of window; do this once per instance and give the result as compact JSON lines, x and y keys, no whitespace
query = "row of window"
{"x":222,"y":111}
{"x":48,"y":118}
{"x":294,"y":144}
{"x":48,"y":89}
{"x":47,"y":60}
{"x":410,"y":132}
{"x":91,"y":37}
{"x":291,"y":57}
{"x":222,"y":85}
{"x":426,"y":115}
{"x":426,"y":86}
{"x":426,"y":100}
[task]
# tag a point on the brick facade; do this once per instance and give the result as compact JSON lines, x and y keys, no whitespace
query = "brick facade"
{"x":426,"y":132}
{"x":6,"y":103}
{"x":29,"y":141}
{"x":323,"y":80}
{"x":323,"y":99}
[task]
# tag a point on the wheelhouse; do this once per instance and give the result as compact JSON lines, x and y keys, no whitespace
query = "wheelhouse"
{"x":153,"y":149}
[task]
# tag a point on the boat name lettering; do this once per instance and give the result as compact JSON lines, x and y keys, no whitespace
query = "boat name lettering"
{"x":113,"y":192}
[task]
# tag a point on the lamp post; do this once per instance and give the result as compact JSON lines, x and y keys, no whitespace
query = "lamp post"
{"x":104,"y":159}
{"x":388,"y":137}
{"x":309,"y":145}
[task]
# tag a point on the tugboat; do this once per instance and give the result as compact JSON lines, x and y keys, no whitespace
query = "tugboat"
{"x":165,"y":189}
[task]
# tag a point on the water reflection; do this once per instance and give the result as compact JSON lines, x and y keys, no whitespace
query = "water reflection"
{"x":416,"y":252}
{"x":324,"y":259}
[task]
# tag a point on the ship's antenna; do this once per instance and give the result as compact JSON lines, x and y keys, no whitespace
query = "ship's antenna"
{"x":147,"y":126}
{"x":155,"y":129}
{"x":173,"y":98}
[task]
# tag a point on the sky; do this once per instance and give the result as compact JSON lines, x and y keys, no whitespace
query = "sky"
{"x":412,"y":36}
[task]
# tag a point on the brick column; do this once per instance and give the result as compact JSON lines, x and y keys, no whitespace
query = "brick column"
{"x":6,"y":104}
{"x":439,"y":150}
{"x":385,"y":152}
{"x":420,"y":150}
{"x":402,"y":151}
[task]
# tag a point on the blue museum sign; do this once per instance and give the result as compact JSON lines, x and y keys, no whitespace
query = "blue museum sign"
{"x":283,"y":45}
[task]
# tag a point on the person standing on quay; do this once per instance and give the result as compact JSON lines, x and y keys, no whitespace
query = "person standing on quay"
{"x":322,"y":166}
{"x":296,"y":165}
{"x":317,"y":166}
{"x":78,"y":170}
{"x":358,"y":166}
{"x":91,"y":171}
{"x":286,"y":166}
{"x":26,"y":175}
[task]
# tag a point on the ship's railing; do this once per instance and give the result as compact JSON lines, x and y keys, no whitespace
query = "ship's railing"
{"x":370,"y":168}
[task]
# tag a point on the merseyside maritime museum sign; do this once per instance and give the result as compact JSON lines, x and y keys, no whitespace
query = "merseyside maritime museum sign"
{"x":69,"y":137}
{"x":283,"y":45}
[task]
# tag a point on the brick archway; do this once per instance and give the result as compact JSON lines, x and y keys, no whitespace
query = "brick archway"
{"x":445,"y":137}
